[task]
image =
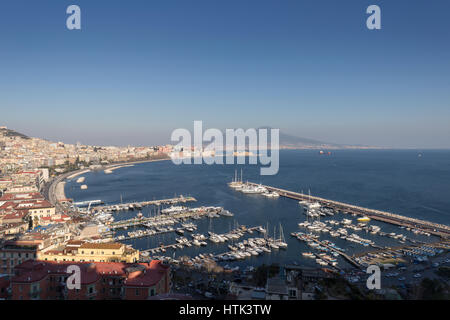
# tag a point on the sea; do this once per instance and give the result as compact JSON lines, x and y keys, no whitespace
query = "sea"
{"x":413,"y":183}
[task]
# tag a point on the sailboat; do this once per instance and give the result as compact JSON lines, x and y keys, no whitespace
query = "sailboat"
{"x":234,"y":181}
{"x":273,"y":244}
{"x":282,"y":241}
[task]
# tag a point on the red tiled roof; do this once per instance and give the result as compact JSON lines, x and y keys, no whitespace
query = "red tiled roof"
{"x":15,"y":215}
{"x":146,"y":275}
{"x":7,"y":205}
{"x":21,"y":196}
{"x":33,"y":204}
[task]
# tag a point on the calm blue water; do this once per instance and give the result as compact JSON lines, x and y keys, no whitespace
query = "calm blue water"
{"x":395,"y":181}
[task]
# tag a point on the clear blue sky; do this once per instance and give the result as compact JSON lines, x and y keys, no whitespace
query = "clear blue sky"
{"x":139,"y":69}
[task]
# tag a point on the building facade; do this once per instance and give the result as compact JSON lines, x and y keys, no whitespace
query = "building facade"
{"x":47,"y":280}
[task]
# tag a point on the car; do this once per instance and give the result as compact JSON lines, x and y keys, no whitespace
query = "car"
{"x":417,"y":275}
{"x":436,"y":264}
{"x":401,"y":279}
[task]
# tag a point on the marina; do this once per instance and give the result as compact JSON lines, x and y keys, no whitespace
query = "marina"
{"x":424,"y":226}
{"x":202,"y":240}
{"x":140,"y":205}
{"x":177,"y":232}
{"x":172,"y":218}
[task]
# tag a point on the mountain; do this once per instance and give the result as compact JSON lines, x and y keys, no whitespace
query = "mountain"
{"x":293,"y":142}
{"x":287,"y":140}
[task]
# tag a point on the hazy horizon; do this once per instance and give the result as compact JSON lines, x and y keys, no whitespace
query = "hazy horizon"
{"x":136,"y":72}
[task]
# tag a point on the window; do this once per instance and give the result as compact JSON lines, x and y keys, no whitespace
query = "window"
{"x":137,"y":292}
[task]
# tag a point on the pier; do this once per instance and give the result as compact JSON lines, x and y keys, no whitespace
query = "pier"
{"x":137,"y":205}
{"x":161,"y":219}
{"x":344,"y":255}
{"x":307,"y":237}
{"x":433,"y":228}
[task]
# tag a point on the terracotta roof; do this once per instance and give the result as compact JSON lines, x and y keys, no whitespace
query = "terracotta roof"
{"x":21,"y":196}
{"x":33,"y":204}
{"x":149,"y":274}
{"x":15,"y":215}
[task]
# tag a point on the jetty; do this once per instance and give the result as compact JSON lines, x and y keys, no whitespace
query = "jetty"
{"x":195,"y":213}
{"x":138,"y":205}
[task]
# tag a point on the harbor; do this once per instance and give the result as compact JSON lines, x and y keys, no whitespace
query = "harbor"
{"x":181,"y":233}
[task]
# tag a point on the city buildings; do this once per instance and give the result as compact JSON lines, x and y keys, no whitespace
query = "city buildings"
{"x":100,"y":280}
{"x":91,"y":252}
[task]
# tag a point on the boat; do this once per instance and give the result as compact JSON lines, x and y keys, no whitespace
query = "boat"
{"x":83,"y":187}
{"x":271,"y":194}
{"x":250,"y":189}
{"x":364,"y":219}
{"x":81,"y":180}
{"x":226,"y":213}
{"x":273,"y":245}
{"x":308,"y":254}
{"x":173,"y":209}
{"x":281,"y":241}
{"x":235,"y":183}
{"x":346,"y":221}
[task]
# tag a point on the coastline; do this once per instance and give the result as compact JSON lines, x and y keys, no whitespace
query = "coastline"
{"x":56,"y":191}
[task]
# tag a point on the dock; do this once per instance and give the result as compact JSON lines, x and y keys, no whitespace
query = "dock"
{"x":176,"y":245}
{"x":440,"y":230}
{"x":349,"y":259}
{"x":137,"y":205}
{"x":195,"y":213}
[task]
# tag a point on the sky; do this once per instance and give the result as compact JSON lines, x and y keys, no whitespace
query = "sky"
{"x":137,"y":70}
